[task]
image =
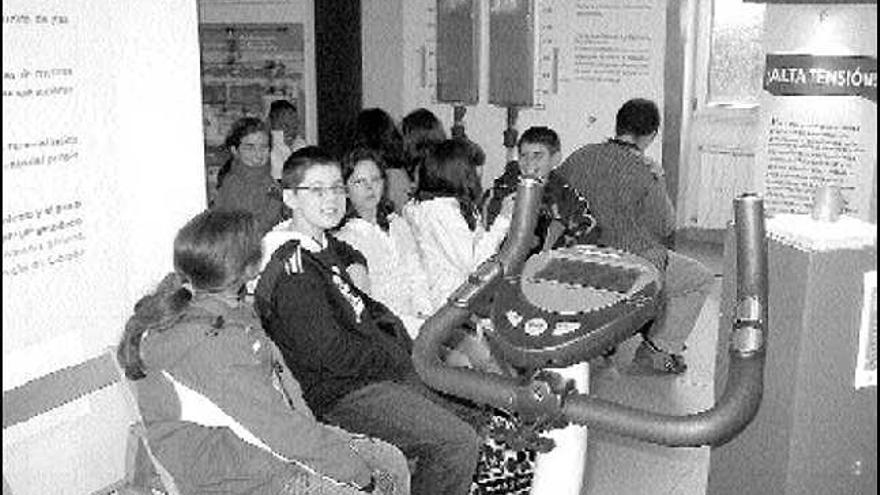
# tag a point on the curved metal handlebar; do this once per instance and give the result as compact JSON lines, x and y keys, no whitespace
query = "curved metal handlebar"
{"x":731,"y":413}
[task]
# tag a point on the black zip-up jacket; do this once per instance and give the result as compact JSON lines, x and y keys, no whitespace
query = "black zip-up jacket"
{"x":334,"y":338}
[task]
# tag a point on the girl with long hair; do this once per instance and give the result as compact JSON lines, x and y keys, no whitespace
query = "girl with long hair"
{"x":451,"y":238}
{"x":446,"y":219}
{"x":376,"y":130}
{"x":248,"y":185}
{"x":222,"y":410}
{"x":371,"y":225}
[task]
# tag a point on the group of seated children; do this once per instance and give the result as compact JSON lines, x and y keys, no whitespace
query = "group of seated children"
{"x":315,"y":390}
{"x":343,"y":261}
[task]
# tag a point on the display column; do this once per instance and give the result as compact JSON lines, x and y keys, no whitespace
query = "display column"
{"x":815,"y":431}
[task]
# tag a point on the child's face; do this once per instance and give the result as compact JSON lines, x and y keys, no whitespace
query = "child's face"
{"x":536,"y":159}
{"x":253,"y":151}
{"x":365,"y":185}
{"x":318,"y":201}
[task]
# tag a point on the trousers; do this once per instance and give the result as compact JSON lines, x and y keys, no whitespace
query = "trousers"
{"x":687,"y":284}
{"x":446,"y":448}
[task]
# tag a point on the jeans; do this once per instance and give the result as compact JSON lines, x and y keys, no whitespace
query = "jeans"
{"x":446,"y":447}
{"x":687,"y":285}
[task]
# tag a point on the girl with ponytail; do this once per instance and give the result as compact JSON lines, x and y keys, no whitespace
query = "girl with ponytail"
{"x":221,"y":408}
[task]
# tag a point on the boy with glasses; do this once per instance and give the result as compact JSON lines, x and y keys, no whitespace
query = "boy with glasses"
{"x":351,"y":355}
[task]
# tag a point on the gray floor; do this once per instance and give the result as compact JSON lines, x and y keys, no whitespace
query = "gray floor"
{"x":621,"y":466}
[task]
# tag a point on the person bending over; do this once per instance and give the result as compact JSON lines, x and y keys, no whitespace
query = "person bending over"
{"x":627,"y":191}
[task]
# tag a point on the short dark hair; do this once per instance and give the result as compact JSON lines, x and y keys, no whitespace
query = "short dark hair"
{"x":541,"y":135}
{"x":351,"y":159}
{"x":638,"y":117}
{"x":278,"y":110}
{"x":300,"y":161}
{"x":422,"y":125}
{"x":244,"y":127}
{"x":375,"y":129}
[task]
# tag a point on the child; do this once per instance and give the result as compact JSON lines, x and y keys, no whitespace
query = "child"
{"x":396,"y":275}
{"x":564,"y":218}
{"x":349,"y":352}
{"x":249,"y":185}
{"x":283,"y":120}
{"x":446,"y":219}
{"x":223,"y":412}
{"x":448,"y":227}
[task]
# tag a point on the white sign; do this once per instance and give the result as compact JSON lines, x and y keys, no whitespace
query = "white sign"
{"x":866,"y":361}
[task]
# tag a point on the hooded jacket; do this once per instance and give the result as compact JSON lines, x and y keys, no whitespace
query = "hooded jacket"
{"x":216,"y":368}
{"x":252,"y":189}
{"x":335,"y":338}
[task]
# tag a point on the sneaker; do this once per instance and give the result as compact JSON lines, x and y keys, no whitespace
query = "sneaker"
{"x":651,"y":359}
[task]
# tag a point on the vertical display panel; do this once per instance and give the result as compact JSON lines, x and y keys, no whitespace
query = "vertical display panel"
{"x":512,"y":42}
{"x":458,"y":52}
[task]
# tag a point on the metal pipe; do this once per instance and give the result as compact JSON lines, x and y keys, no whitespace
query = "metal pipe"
{"x":498,"y":390}
{"x":742,"y":394}
{"x":730,"y":415}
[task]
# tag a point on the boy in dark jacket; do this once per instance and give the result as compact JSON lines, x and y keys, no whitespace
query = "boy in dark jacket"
{"x":565,"y":218}
{"x":350,"y":353}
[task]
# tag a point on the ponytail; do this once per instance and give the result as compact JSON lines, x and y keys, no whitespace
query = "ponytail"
{"x":156,"y":311}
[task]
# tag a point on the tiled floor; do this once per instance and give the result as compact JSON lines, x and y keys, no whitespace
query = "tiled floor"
{"x":621,"y":466}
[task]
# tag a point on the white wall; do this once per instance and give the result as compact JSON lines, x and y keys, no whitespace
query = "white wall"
{"x":134,"y":168}
{"x":581,"y":112}
{"x":383,"y":50}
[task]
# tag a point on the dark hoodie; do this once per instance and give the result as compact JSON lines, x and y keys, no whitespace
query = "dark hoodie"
{"x":252,"y":189}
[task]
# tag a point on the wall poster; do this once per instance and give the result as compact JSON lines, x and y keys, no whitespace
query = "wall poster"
{"x":596,"y":47}
{"x":819,"y":128}
{"x":245,"y":67}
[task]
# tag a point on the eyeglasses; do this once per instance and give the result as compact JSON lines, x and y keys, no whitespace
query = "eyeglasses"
{"x":323,"y":191}
{"x":250,"y":147}
{"x":365,"y":181}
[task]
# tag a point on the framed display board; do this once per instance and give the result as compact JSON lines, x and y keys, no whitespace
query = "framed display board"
{"x":245,"y":67}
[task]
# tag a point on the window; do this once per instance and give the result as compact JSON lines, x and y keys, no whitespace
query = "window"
{"x":736,"y":58}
